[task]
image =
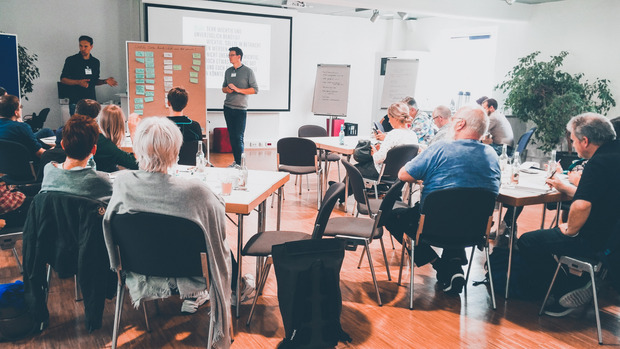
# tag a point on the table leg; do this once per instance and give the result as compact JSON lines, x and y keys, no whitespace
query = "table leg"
{"x":544,"y":214}
{"x":261,"y":228}
{"x":512,"y":234}
{"x":279,"y":208}
{"x":346,"y":188}
{"x":239,"y":260}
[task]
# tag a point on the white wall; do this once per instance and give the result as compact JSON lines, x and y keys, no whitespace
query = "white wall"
{"x":51,"y":29}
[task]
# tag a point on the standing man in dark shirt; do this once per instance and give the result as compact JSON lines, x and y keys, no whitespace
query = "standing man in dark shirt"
{"x":239,"y":82}
{"x":591,"y":219}
{"x":81,"y":74}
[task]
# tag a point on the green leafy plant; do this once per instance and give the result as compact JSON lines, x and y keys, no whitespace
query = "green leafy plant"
{"x":28,"y":71}
{"x":539,"y":91}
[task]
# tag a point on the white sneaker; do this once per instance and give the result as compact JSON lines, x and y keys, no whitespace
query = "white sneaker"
{"x":248,"y":285}
{"x":577,"y":297}
{"x":191,"y":305}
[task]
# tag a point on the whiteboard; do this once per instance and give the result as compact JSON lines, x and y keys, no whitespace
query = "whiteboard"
{"x":331,"y":89}
{"x":400,"y":80}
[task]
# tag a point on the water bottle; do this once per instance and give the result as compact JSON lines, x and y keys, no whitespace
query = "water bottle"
{"x":243,"y":174}
{"x":503,"y":165}
{"x":467,"y":96}
{"x":552,"y":164}
{"x":341,"y":135}
{"x":200,"y":159}
{"x":459,"y":104}
{"x":516,"y":166}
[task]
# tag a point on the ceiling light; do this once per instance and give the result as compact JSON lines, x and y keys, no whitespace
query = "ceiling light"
{"x":510,"y":2}
{"x":375,"y":15}
{"x":402,"y":15}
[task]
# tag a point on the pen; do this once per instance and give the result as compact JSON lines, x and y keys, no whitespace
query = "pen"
{"x":552,"y":174}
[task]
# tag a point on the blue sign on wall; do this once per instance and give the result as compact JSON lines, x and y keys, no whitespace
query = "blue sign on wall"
{"x":9,"y":74}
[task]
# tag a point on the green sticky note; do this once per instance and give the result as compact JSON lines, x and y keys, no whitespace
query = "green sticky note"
{"x":139,"y":112}
{"x":141,"y":60}
{"x":138,"y":101}
{"x":149,"y":60}
{"x":139,"y":76}
{"x":148,"y":99}
{"x":149,"y":64}
{"x":149,"y":93}
{"x":196,"y":62}
{"x":193,"y":74}
{"x":148,"y":54}
{"x":195,"y":55}
{"x":150,"y":76}
{"x":139,"y":70}
{"x":150,"y":81}
{"x":176,"y":67}
{"x":138,"y":106}
{"x":196,"y":68}
{"x":139,"y":53}
{"x":193,"y":80}
{"x":150,"y":70}
{"x":140,"y":90}
{"x":139,"y":81}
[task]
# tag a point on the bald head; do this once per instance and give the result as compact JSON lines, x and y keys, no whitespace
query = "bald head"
{"x":470,"y":123}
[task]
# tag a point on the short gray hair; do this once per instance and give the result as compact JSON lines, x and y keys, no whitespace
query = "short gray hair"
{"x":443,"y":111}
{"x":157,"y":143}
{"x":597,"y":128}
{"x":475,"y":118}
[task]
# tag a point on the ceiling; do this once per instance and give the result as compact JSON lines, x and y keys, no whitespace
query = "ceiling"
{"x":404,"y":9}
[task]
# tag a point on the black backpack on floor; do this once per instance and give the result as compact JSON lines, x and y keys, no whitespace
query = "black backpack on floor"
{"x":308,"y":275}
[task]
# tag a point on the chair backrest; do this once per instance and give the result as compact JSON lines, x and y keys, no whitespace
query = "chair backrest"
{"x":396,"y":158}
{"x":158,"y":245}
{"x":311,"y":131}
{"x":187,"y":153}
{"x":327,"y":206}
{"x":295,"y":151}
{"x":389,"y":200}
{"x":357,"y":184}
{"x":15,"y":163}
{"x":37,"y":121}
{"x":524,"y":140}
{"x":456,"y":217}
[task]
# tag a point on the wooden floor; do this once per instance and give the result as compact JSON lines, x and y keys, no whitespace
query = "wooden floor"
{"x":438,"y":321}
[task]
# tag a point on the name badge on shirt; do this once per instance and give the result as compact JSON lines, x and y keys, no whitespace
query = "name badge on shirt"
{"x":88,"y":71}
{"x":232,"y":75}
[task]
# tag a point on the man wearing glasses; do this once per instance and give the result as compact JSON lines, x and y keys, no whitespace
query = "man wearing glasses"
{"x":239,"y":82}
{"x":441,"y":118}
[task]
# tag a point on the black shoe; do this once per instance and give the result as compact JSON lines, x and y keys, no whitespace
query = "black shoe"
{"x":443,"y":276}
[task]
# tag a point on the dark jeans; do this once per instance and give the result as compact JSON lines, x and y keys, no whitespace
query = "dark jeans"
{"x":509,"y":215}
{"x":235,"y":121}
{"x":405,"y":220}
{"x":537,"y":249}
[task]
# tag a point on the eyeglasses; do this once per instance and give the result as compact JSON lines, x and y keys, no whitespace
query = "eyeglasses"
{"x":232,"y":54}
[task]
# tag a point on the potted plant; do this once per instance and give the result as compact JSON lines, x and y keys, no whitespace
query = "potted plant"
{"x":28,"y":71}
{"x":539,"y":91}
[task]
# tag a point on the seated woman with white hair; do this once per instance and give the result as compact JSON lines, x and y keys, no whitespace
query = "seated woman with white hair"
{"x":151,"y":189}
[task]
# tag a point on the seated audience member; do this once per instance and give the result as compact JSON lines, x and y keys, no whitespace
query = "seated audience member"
{"x":422,"y":123}
{"x":151,"y":189}
{"x":591,"y":219}
{"x":12,"y":128}
{"x":108,"y":155}
{"x":463,"y":163}
{"x":441,"y":118}
{"x":74,"y":175}
{"x":190,"y":129}
{"x":13,"y":207}
{"x":500,"y":131}
{"x":480,"y":100}
{"x":88,"y":107}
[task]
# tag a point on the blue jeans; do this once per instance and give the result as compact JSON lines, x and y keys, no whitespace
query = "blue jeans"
{"x":235,"y":121}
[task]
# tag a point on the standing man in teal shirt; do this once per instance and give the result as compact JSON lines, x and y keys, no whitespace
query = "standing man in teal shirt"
{"x":239,"y":82}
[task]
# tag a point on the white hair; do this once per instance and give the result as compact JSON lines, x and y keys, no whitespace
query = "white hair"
{"x":475,"y":118}
{"x":156,"y":144}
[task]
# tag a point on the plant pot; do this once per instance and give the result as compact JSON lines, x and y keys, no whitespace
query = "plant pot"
{"x":566,"y":158}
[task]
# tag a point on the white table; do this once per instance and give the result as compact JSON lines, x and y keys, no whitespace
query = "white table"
{"x":125,"y":143}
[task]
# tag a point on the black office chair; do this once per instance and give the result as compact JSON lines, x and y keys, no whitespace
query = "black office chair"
{"x":187,"y":153}
{"x":524,"y":140}
{"x":298,"y":156}
{"x":453,"y":218}
{"x":36,"y":121}
{"x":16,"y":163}
{"x":157,"y":245}
{"x":318,"y":131}
{"x":395,"y":159}
{"x":260,"y":244}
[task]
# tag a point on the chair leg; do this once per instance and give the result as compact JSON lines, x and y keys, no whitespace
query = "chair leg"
{"x":486,"y":251}
{"x":146,"y":317}
{"x":372,"y":271}
{"x":387,"y":265}
{"x":471,"y":258}
{"x":300,"y":182}
{"x":338,"y":165}
{"x":411,"y":277}
{"x":361,"y":258}
{"x":402,"y":258}
{"x":19,"y":263}
{"x":376,"y":191}
{"x":48,"y":279}
{"x":120,"y":294}
{"x":596,"y":312}
{"x":259,"y":287}
{"x":392,"y":240}
{"x":542,"y":308}
{"x":308,"y":182}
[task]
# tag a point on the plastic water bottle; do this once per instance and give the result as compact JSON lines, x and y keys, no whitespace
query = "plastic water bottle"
{"x":459,"y":104}
{"x":200,"y":159}
{"x":243,"y":174}
{"x":341,"y":135}
{"x":467,"y":96}
{"x":503,"y":165}
{"x":552,"y":164}
{"x":516,"y":166}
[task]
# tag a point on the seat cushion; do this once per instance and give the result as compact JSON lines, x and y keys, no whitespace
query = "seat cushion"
{"x":261,"y":243}
{"x":331,"y":157}
{"x":352,"y":226}
{"x":298,"y":169}
{"x":374,"y":206}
